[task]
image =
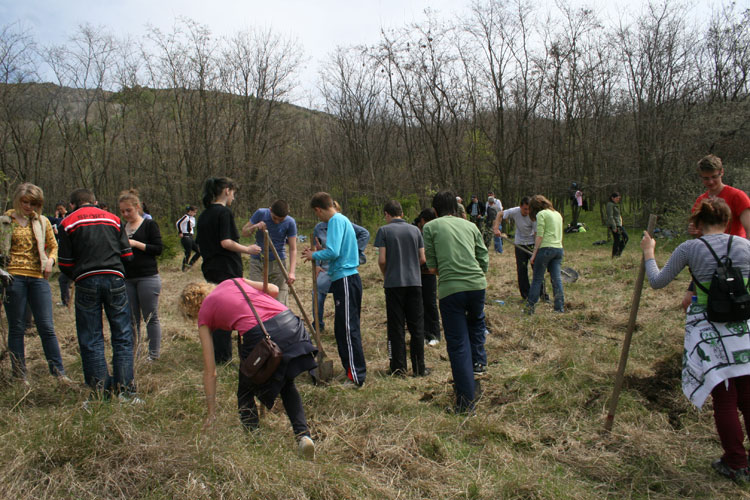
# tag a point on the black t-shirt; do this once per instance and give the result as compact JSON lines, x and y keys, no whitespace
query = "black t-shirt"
{"x":215,"y":224}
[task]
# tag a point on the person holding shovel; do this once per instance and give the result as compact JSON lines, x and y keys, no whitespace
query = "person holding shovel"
{"x":323,"y":281}
{"x":342,"y":255}
{"x":282,"y":230}
{"x":717,"y":355}
{"x":224,"y":307}
{"x":548,"y":252}
{"x":524,"y":242}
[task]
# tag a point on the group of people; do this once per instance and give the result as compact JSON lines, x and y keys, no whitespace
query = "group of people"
{"x":441,"y":259}
{"x":113,"y":264}
{"x":437,"y":263}
{"x":716,"y":357}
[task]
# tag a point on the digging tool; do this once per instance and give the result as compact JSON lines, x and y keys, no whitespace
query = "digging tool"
{"x":325,"y":366}
{"x":628,"y":335}
{"x":265,"y":261}
{"x":316,"y":315}
{"x":569,"y":275}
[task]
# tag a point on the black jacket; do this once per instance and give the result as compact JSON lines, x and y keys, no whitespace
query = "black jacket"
{"x":91,"y":243}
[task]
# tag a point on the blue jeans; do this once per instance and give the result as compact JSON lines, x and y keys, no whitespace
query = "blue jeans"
{"x":37,"y":294}
{"x":547,"y":259}
{"x":92,"y":294}
{"x":499,"y":241}
{"x":324,"y":287}
{"x":463,"y":328}
{"x":64,"y":283}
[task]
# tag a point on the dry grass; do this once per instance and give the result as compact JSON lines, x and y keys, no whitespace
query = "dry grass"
{"x":537,"y":432}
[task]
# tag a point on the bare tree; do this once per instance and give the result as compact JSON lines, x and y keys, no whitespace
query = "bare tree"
{"x":259,"y":67}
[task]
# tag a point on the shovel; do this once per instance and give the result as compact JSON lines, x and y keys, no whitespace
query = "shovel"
{"x":569,"y":275}
{"x":265,"y":261}
{"x":324,"y":372}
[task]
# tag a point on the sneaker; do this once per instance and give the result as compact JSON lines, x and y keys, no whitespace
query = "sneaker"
{"x":65,"y":380}
{"x":433,"y":342}
{"x":129,"y":399}
{"x":306,"y":448}
{"x":425,"y":372}
{"x":479,"y":369}
{"x":739,"y":476}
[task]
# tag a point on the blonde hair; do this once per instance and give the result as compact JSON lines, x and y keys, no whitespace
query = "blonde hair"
{"x":130,"y":196}
{"x":192,"y":297}
{"x":30,"y":191}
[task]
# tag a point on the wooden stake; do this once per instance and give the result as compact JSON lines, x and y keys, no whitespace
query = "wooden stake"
{"x":316,"y":319}
{"x":628,"y":335}
{"x":266,"y":241}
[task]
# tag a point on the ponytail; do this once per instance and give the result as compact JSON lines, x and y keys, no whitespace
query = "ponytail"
{"x":213,"y":187}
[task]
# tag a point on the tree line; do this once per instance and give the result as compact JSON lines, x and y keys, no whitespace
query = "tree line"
{"x":507,"y":98}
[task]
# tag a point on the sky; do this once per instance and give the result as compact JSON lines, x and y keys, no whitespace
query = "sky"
{"x":319,"y":25}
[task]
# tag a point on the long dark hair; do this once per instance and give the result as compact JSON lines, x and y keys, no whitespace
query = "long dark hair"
{"x":213,"y":188}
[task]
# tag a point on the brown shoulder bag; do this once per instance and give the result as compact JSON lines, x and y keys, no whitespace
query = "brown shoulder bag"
{"x":265,"y":357}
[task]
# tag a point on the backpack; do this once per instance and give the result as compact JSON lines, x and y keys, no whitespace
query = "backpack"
{"x":728,"y":297}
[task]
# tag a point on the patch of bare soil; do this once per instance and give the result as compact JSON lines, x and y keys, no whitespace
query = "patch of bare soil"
{"x":662,"y":389}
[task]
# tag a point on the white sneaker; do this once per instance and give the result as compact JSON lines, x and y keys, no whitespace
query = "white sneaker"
{"x":433,"y":342}
{"x":306,"y":448}
{"x":129,"y":399}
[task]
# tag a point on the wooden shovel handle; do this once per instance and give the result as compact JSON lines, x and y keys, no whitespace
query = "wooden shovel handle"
{"x":305,"y":317}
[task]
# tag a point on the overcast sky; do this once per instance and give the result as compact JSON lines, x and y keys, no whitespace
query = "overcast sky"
{"x":319,"y":25}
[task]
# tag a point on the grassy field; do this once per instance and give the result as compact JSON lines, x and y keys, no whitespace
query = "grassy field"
{"x":537,"y":432}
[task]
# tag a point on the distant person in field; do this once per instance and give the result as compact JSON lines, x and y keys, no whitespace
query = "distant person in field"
{"x":93,"y":246}
{"x":218,"y":239}
{"x":494,"y":206}
{"x":711,"y":172}
{"x":454,"y":250}
{"x":524,"y":240}
{"x":186,"y":230}
{"x":614,"y":223}
{"x":548,"y":252}
{"x":323,"y":280}
{"x":61,"y":210}
{"x":460,"y":209}
{"x":400,"y":254}
{"x":282,"y":230}
{"x":716,"y":355}
{"x":29,"y":250}
{"x":429,"y":288}
{"x":225,"y":307}
{"x":142,"y":277}
{"x":475,"y":211}
{"x":342,"y":255}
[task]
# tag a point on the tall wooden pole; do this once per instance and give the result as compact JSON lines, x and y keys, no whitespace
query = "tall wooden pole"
{"x":628,"y":335}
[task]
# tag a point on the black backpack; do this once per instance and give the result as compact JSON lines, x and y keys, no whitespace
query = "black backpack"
{"x":728,"y":297}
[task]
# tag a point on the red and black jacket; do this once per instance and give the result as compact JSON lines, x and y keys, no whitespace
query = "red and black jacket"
{"x":91,"y":243}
